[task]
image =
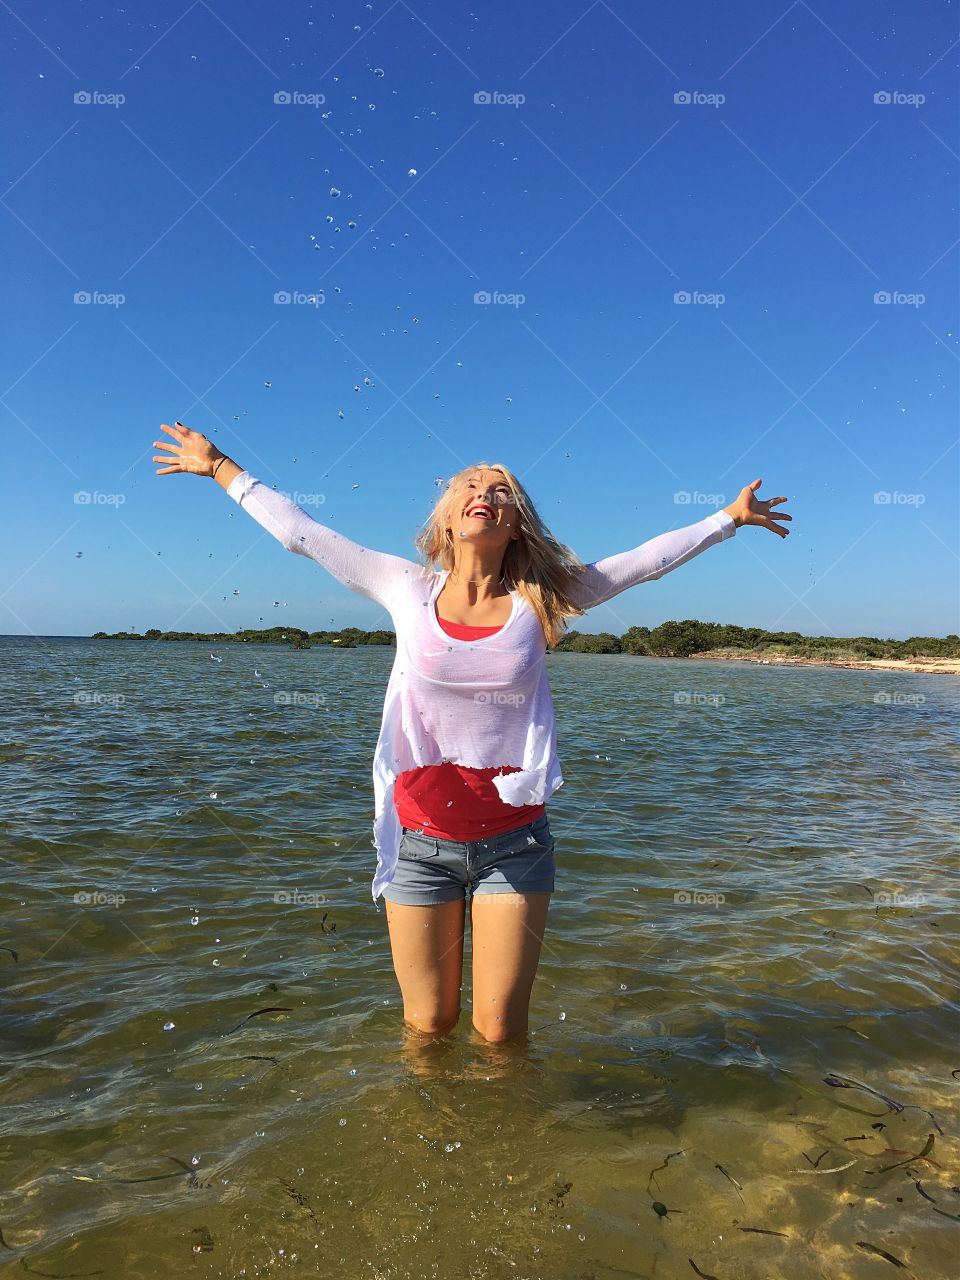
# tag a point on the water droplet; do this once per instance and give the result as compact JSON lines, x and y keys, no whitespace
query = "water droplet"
{"x":194,"y":919}
{"x":268,"y":384}
{"x":343,"y":1123}
{"x":198,"y":1086}
{"x":411,"y":173}
{"x":334,"y":191}
{"x":371,"y":106}
{"x":352,"y":1071}
{"x":563,"y":1017}
{"x":213,"y":795}
{"x":378,"y":71}
{"x":168,"y":1026}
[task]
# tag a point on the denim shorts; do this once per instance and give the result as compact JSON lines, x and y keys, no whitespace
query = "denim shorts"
{"x":432,"y":870}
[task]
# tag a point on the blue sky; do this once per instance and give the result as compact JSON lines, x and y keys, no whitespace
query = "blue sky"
{"x":780,"y":198}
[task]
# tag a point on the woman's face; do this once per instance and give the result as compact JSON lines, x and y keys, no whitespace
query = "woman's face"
{"x":484,"y":511}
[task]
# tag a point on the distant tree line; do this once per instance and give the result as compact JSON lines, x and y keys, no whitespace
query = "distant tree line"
{"x":689,"y":637}
{"x":669,"y":640}
{"x":295,"y":637}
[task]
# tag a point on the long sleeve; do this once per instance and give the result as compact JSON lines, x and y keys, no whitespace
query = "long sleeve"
{"x":373,"y":574}
{"x":606,"y":578}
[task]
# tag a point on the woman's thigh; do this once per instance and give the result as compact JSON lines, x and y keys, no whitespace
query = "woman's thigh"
{"x":507,"y":935}
{"x":427,"y":947}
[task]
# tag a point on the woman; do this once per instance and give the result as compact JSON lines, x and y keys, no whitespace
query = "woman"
{"x":466,"y":756}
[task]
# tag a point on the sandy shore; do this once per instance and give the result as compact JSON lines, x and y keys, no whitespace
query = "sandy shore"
{"x":930,"y":666}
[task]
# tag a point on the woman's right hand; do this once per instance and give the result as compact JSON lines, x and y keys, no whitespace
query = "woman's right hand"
{"x":193,"y":452}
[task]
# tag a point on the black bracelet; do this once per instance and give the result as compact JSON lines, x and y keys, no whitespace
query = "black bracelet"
{"x":213,"y":473}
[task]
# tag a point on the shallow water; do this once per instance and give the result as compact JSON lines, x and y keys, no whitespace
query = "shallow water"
{"x":811,"y":824}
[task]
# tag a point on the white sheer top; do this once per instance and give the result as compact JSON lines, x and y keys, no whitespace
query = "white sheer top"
{"x":477,"y":703}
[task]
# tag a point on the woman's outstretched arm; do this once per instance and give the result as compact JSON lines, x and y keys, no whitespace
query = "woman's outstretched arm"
{"x":373,"y":574}
{"x":606,"y":578}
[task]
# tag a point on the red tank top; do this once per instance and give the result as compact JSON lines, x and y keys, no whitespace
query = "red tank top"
{"x":451,"y":801}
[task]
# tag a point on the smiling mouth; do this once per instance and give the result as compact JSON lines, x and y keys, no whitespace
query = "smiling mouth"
{"x":482,"y":513}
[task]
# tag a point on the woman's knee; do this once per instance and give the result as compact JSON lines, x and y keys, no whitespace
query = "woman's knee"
{"x":497,"y":1029}
{"x":432,"y":1022}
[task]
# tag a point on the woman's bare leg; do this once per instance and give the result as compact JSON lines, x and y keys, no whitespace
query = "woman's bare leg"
{"x":427,"y":946}
{"x":507,"y":935}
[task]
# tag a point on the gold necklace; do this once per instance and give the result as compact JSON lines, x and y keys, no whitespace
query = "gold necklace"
{"x":473,"y":582}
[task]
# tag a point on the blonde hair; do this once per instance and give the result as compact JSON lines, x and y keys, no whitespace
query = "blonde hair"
{"x":540,"y":568}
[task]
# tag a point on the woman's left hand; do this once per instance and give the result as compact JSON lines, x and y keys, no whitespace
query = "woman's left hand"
{"x":749,"y":509}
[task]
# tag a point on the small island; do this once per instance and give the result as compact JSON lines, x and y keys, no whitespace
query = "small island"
{"x":687,"y":639}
